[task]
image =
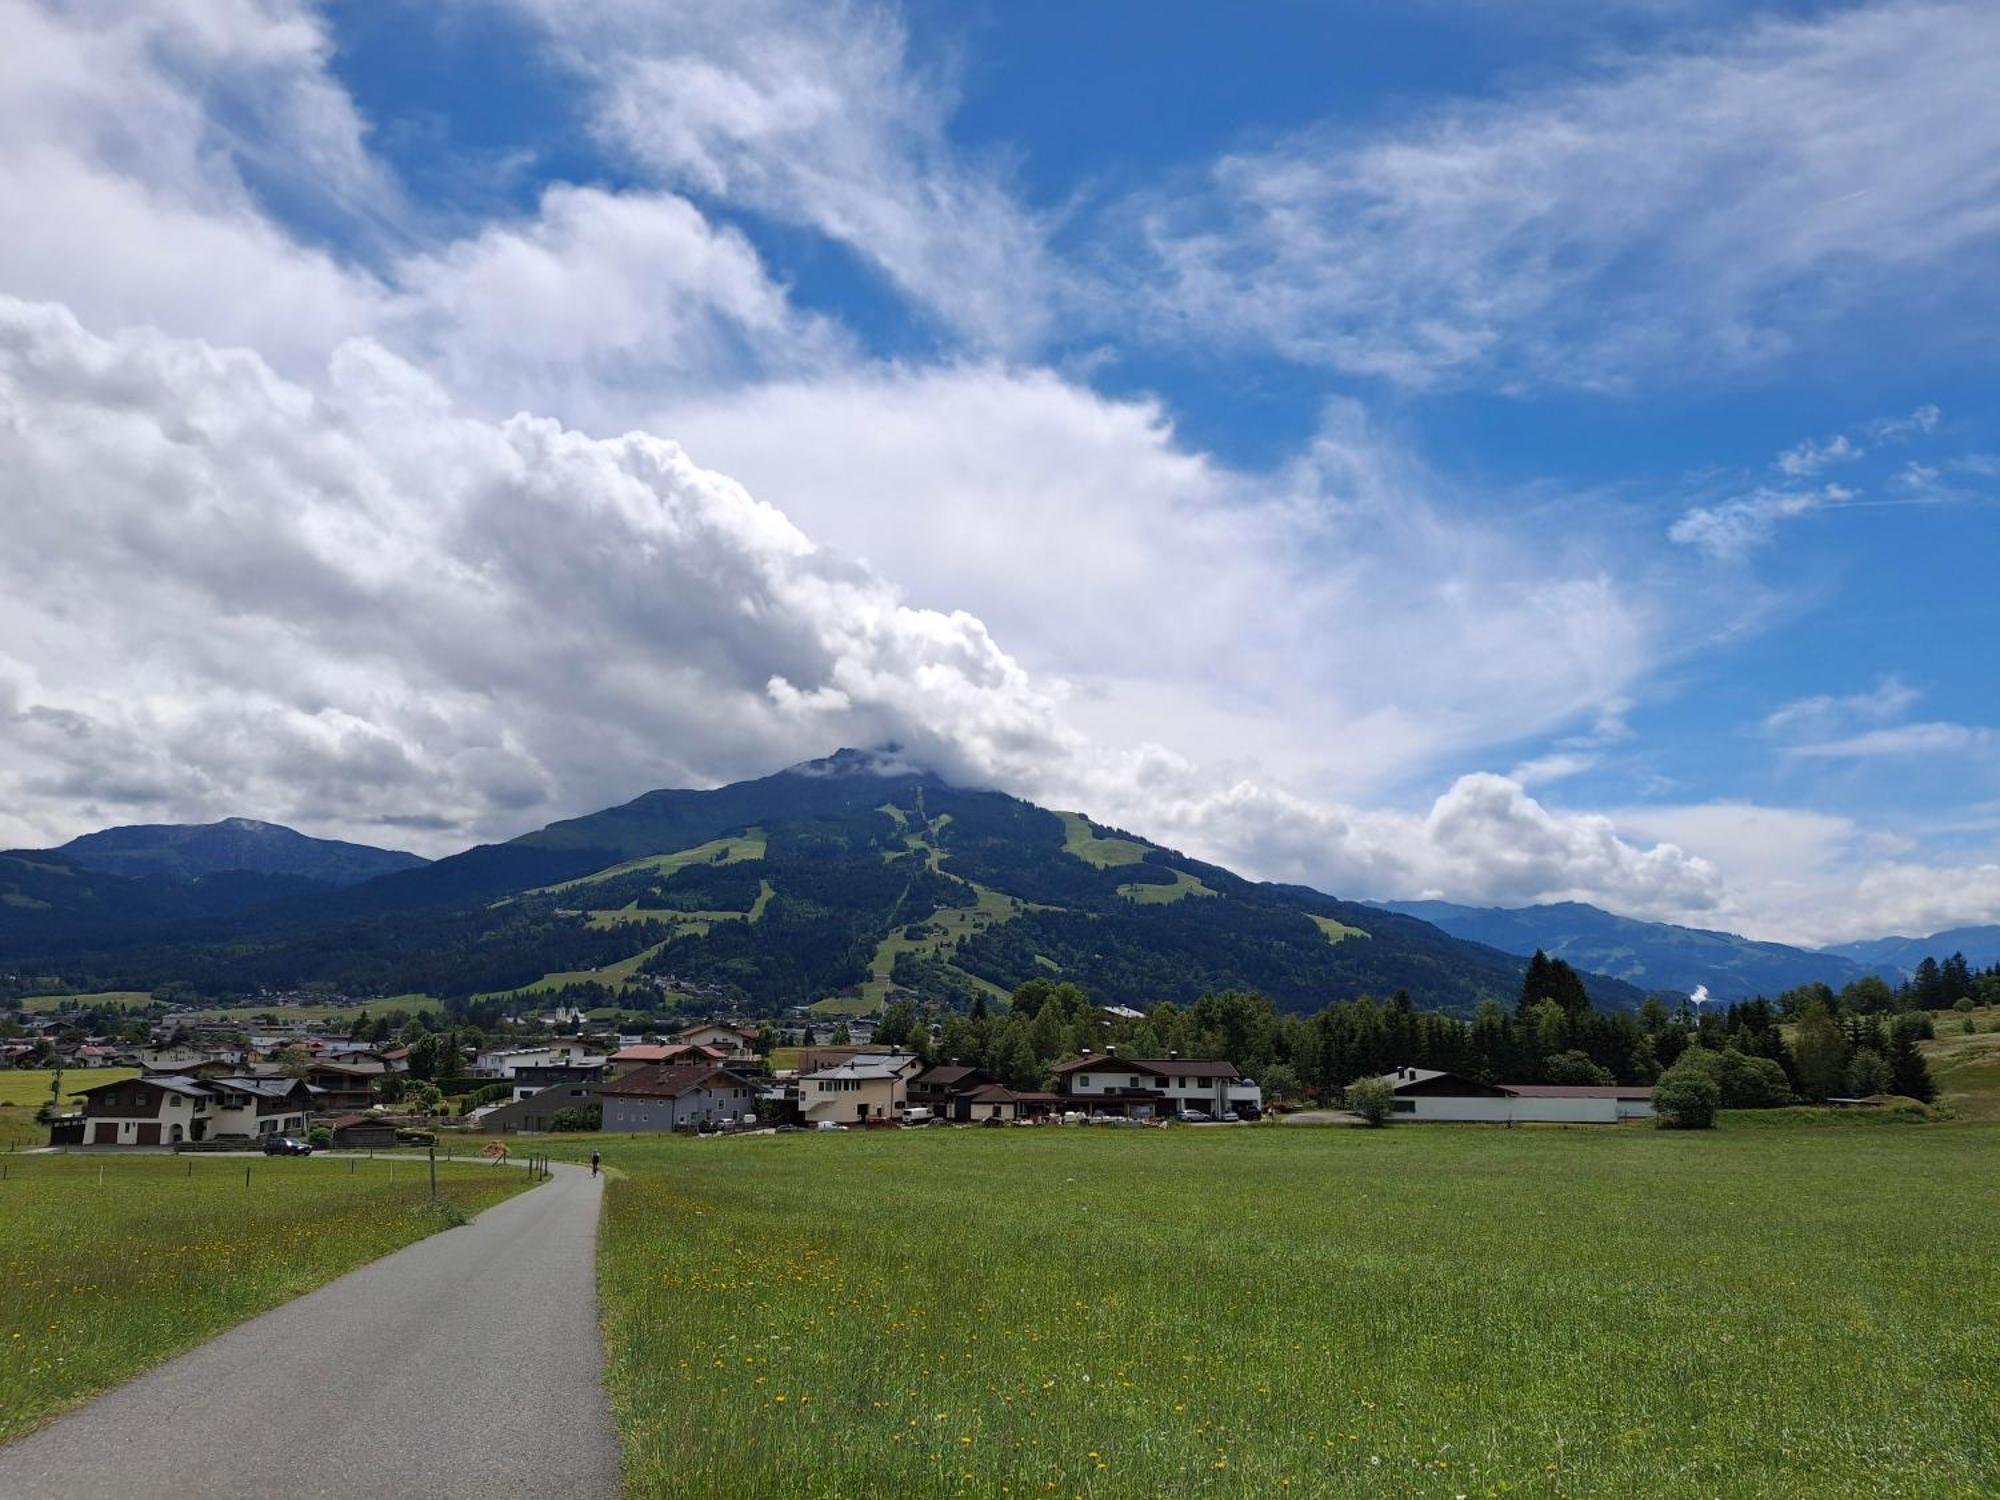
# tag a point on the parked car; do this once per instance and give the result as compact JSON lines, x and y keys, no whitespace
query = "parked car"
{"x":1249,"y":1112}
{"x":286,"y":1145}
{"x":919,"y":1114}
{"x":1192,"y":1117}
{"x":830,"y":1125}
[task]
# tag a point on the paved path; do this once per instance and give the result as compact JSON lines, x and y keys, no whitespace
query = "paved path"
{"x":468,"y":1364}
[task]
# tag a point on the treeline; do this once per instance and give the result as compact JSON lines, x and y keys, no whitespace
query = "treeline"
{"x":1552,"y":1034}
{"x":1947,"y":985}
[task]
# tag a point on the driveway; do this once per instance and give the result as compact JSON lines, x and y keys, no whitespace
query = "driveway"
{"x":466,"y":1365}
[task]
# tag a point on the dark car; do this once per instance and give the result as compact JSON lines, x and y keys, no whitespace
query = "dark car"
{"x":286,"y":1145}
{"x":1249,"y":1112}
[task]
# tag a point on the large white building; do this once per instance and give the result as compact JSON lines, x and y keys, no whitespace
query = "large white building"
{"x":1432,"y":1094}
{"x":869,"y":1086}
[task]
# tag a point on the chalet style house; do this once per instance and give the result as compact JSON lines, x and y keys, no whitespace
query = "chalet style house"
{"x":674,"y":1097}
{"x":1152,"y":1087}
{"x":164,"y":1110}
{"x":737,"y":1044}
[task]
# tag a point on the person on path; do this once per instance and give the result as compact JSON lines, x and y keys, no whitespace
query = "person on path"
{"x":595,"y":1158}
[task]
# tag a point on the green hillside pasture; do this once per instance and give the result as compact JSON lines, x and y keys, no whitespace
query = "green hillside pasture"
{"x":103,"y":1000}
{"x":726,"y":851}
{"x":107,"y":1278}
{"x":1155,"y":895}
{"x":626,"y":915}
{"x":1967,"y":1068}
{"x":1082,"y":840}
{"x":1436,"y":1311}
{"x":616,"y":976}
{"x":1337,"y":931}
{"x":948,"y":925}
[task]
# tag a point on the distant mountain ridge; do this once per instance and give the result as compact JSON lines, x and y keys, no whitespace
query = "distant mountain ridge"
{"x":852,"y":876}
{"x":187,"y":851}
{"x":1661,"y":956}
{"x":1980,"y":945}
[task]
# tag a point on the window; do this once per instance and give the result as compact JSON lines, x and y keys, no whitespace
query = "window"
{"x":1083,"y":1080}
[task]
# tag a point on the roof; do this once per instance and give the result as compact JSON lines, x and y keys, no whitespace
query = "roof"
{"x":943,"y":1077}
{"x":1579,"y":1090}
{"x":264,"y":1088}
{"x":869,"y":1065}
{"x":993,"y":1093}
{"x":659,"y":1052}
{"x":748,"y":1033}
{"x":1165,"y":1067}
{"x":348,"y":1122}
{"x":669,"y":1082}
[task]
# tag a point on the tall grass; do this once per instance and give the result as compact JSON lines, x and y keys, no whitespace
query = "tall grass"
{"x":110,"y":1264}
{"x":1421,"y":1311}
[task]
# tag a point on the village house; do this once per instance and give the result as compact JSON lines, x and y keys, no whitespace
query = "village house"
{"x":537,"y":1109}
{"x":735,"y":1043}
{"x":1154,"y":1087}
{"x":935,"y":1088}
{"x":1432,"y":1094}
{"x":657,"y":1054}
{"x":344,"y":1085}
{"x":504,"y":1062}
{"x":870,"y":1086}
{"x":676,"y":1097}
{"x":165,"y":1110}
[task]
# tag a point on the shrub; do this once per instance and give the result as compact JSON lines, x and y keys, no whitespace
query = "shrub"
{"x":1374,"y":1099}
{"x":1575,"y":1067}
{"x":1686,"y":1099}
{"x":1868,"y":1073}
{"x":1963,"y":1005}
{"x":585,"y":1117}
{"x":320,"y":1137}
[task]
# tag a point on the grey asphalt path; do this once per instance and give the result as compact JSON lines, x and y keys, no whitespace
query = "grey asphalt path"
{"x":466,"y":1365}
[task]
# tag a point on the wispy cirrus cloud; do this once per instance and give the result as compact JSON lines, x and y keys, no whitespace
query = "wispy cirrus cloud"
{"x":1686,"y":208}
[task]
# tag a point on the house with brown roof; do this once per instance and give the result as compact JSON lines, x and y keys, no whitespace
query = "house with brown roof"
{"x":938,"y":1088}
{"x":167,"y":1109}
{"x":677,"y":1097}
{"x":1154,"y":1087}
{"x":659,"y":1054}
{"x":735,"y":1043}
{"x":1434,"y":1094}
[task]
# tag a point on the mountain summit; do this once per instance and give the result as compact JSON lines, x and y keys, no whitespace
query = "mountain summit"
{"x":847,"y":878}
{"x":185,"y":851}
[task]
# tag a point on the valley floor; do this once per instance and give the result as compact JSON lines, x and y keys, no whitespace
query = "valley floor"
{"x":1425,"y":1311}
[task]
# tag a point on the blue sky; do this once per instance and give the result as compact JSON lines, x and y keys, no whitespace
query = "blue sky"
{"x":1504,"y":452}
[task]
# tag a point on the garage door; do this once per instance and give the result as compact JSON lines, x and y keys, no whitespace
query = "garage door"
{"x":149,"y":1135}
{"x":107,"y":1133}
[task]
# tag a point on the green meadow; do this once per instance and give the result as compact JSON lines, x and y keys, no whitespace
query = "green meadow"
{"x":1429,"y":1311}
{"x":25,"y":1090}
{"x":114,"y":1263}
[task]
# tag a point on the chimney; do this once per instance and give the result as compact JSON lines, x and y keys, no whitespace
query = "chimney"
{"x":1174,"y":1052}
{"x":1086,"y":1052}
{"x":1110,"y":1049}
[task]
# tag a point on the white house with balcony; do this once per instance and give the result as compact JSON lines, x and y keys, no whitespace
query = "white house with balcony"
{"x":1154,"y":1087}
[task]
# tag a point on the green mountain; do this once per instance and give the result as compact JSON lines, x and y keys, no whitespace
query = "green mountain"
{"x":839,"y":880}
{"x":1652,"y":955}
{"x":187,"y":851}
{"x":1898,"y":957}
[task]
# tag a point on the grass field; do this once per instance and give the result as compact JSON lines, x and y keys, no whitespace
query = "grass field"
{"x":1080,"y":839}
{"x":727,"y":851}
{"x":103,"y":999}
{"x":1337,"y":931}
{"x":25,"y":1090}
{"x":1155,"y":895}
{"x":106,"y":1278}
{"x":1440,"y":1311}
{"x":1967,"y":1068}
